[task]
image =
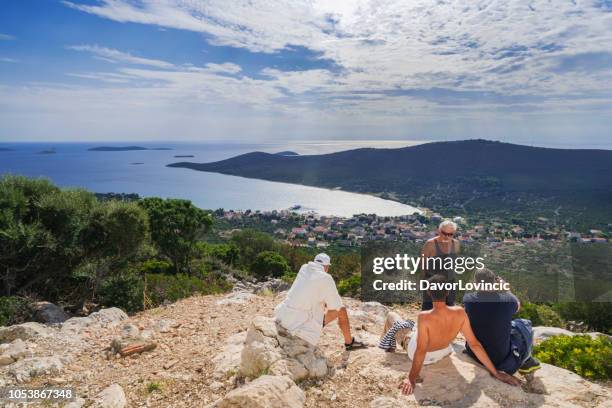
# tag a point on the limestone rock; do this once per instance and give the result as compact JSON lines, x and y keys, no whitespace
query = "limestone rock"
{"x":25,"y":331}
{"x":165,"y":325}
{"x":266,"y":391}
{"x":77,"y":403}
{"x":273,"y":285}
{"x":130,"y":330}
{"x":47,"y":312}
{"x":103,"y":318}
{"x":16,"y":350}
{"x":227,"y":362}
{"x":269,"y":348}
{"x":109,"y":317}
{"x":388,"y":402}
{"x":75,"y":325}
{"x":541,"y":333}
{"x":111,"y":397}
{"x":29,"y":368}
{"x":236,"y":298}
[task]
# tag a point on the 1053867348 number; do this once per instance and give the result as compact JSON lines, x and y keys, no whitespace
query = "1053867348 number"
{"x":30,"y":394}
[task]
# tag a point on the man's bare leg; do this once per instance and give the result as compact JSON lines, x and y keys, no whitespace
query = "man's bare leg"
{"x":343,"y":322}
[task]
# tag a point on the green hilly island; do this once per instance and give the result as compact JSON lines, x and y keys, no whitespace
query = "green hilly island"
{"x":479,"y":177}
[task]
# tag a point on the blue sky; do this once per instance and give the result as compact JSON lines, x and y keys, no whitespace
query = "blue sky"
{"x":535,"y":72}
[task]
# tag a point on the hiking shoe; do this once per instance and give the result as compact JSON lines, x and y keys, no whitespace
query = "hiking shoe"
{"x":354,"y":345}
{"x":530,"y":365}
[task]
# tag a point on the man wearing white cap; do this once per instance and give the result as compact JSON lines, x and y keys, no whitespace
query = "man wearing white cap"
{"x":313,"y":302}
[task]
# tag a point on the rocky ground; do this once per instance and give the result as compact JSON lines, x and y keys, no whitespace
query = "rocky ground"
{"x":196,"y":362}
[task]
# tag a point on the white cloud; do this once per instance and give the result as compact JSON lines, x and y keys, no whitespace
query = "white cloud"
{"x":399,"y":67}
{"x":6,"y":37}
{"x":112,"y":55}
{"x":225,"y":68}
{"x":9,"y":60}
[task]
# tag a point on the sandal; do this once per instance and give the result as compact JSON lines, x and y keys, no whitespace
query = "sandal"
{"x":354,"y":345}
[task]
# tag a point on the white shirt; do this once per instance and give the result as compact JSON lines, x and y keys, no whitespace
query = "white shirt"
{"x":303,"y":310}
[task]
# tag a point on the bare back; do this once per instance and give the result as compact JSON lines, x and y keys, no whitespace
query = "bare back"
{"x":440,"y":326}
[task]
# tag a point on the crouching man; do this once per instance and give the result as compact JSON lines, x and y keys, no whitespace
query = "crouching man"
{"x":312,"y":303}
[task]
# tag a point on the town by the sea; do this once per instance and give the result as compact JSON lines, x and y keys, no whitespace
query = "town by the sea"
{"x":144,"y":172}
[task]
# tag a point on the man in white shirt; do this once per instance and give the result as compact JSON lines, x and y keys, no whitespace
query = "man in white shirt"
{"x":313,"y":302}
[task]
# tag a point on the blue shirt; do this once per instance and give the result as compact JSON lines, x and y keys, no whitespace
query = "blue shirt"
{"x":490,"y":315}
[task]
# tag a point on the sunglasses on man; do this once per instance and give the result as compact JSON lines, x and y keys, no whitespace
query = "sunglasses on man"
{"x":447,"y":234}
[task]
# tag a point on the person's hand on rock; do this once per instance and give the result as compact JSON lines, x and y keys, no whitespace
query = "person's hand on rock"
{"x":407,"y":386}
{"x":507,"y":378}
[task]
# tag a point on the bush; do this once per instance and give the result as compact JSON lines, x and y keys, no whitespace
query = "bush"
{"x":170,"y":288}
{"x":14,"y":310}
{"x":269,"y":263}
{"x":598,"y":315}
{"x":540,"y":315}
{"x":289,"y":277}
{"x":350,"y":286}
{"x":123,"y":291}
{"x":250,"y":243}
{"x":588,"y":357}
{"x":156,"y":266}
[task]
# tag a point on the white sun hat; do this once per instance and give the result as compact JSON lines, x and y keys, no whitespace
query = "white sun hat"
{"x":323,"y":259}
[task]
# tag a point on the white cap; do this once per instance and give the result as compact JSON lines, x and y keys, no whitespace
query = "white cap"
{"x":323,"y":259}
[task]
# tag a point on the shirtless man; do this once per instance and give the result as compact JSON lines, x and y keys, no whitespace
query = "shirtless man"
{"x":440,"y":248}
{"x":436,"y":329}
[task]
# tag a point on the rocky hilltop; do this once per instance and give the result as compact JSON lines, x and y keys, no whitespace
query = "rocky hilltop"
{"x":226,"y":351}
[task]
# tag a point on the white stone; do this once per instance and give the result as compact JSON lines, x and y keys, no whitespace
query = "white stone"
{"x":164,"y":325}
{"x":268,"y":348}
{"x":25,"y":331}
{"x":111,"y":397}
{"x":236,"y":298}
{"x":266,"y":391}
{"x":227,"y":362}
{"x":29,"y":368}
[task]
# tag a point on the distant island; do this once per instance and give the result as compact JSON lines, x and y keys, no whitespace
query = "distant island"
{"x":6,"y":149}
{"x":184,"y":155}
{"x":136,"y":163}
{"x":464,"y":177}
{"x":124,"y":148}
{"x":47,"y":151}
{"x":287,"y":153}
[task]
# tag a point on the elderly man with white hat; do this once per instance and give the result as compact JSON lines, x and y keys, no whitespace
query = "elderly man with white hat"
{"x":313,"y":302}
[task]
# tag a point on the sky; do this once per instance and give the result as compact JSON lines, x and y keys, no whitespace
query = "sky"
{"x":531,"y":72}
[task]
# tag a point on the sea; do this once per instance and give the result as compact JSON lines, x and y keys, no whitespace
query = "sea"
{"x":144,"y":172}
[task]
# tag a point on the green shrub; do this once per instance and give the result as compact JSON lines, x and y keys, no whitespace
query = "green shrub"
{"x":156,"y":266}
{"x":350,"y":286}
{"x":540,"y":315}
{"x":269,"y":263}
{"x":170,"y":288}
{"x":123,"y":291}
{"x":14,"y":310}
{"x":588,"y":357}
{"x":597,"y":315}
{"x":289,"y":277}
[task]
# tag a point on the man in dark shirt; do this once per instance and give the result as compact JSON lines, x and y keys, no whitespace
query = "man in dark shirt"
{"x":507,"y":342}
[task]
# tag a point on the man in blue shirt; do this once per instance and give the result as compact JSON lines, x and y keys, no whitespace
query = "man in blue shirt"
{"x":508,"y":342}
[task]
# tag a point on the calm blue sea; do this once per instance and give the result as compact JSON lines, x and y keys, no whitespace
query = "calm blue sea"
{"x":145,"y":173}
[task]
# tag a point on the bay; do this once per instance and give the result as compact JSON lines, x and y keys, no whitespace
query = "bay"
{"x":144,"y":172}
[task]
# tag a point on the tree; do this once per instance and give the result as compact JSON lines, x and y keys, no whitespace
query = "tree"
{"x":176,"y":226}
{"x":250,"y":243}
{"x":39,"y":229}
{"x":269,"y":263}
{"x":115,"y":233}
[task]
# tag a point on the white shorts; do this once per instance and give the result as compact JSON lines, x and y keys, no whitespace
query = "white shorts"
{"x":431,"y":356}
